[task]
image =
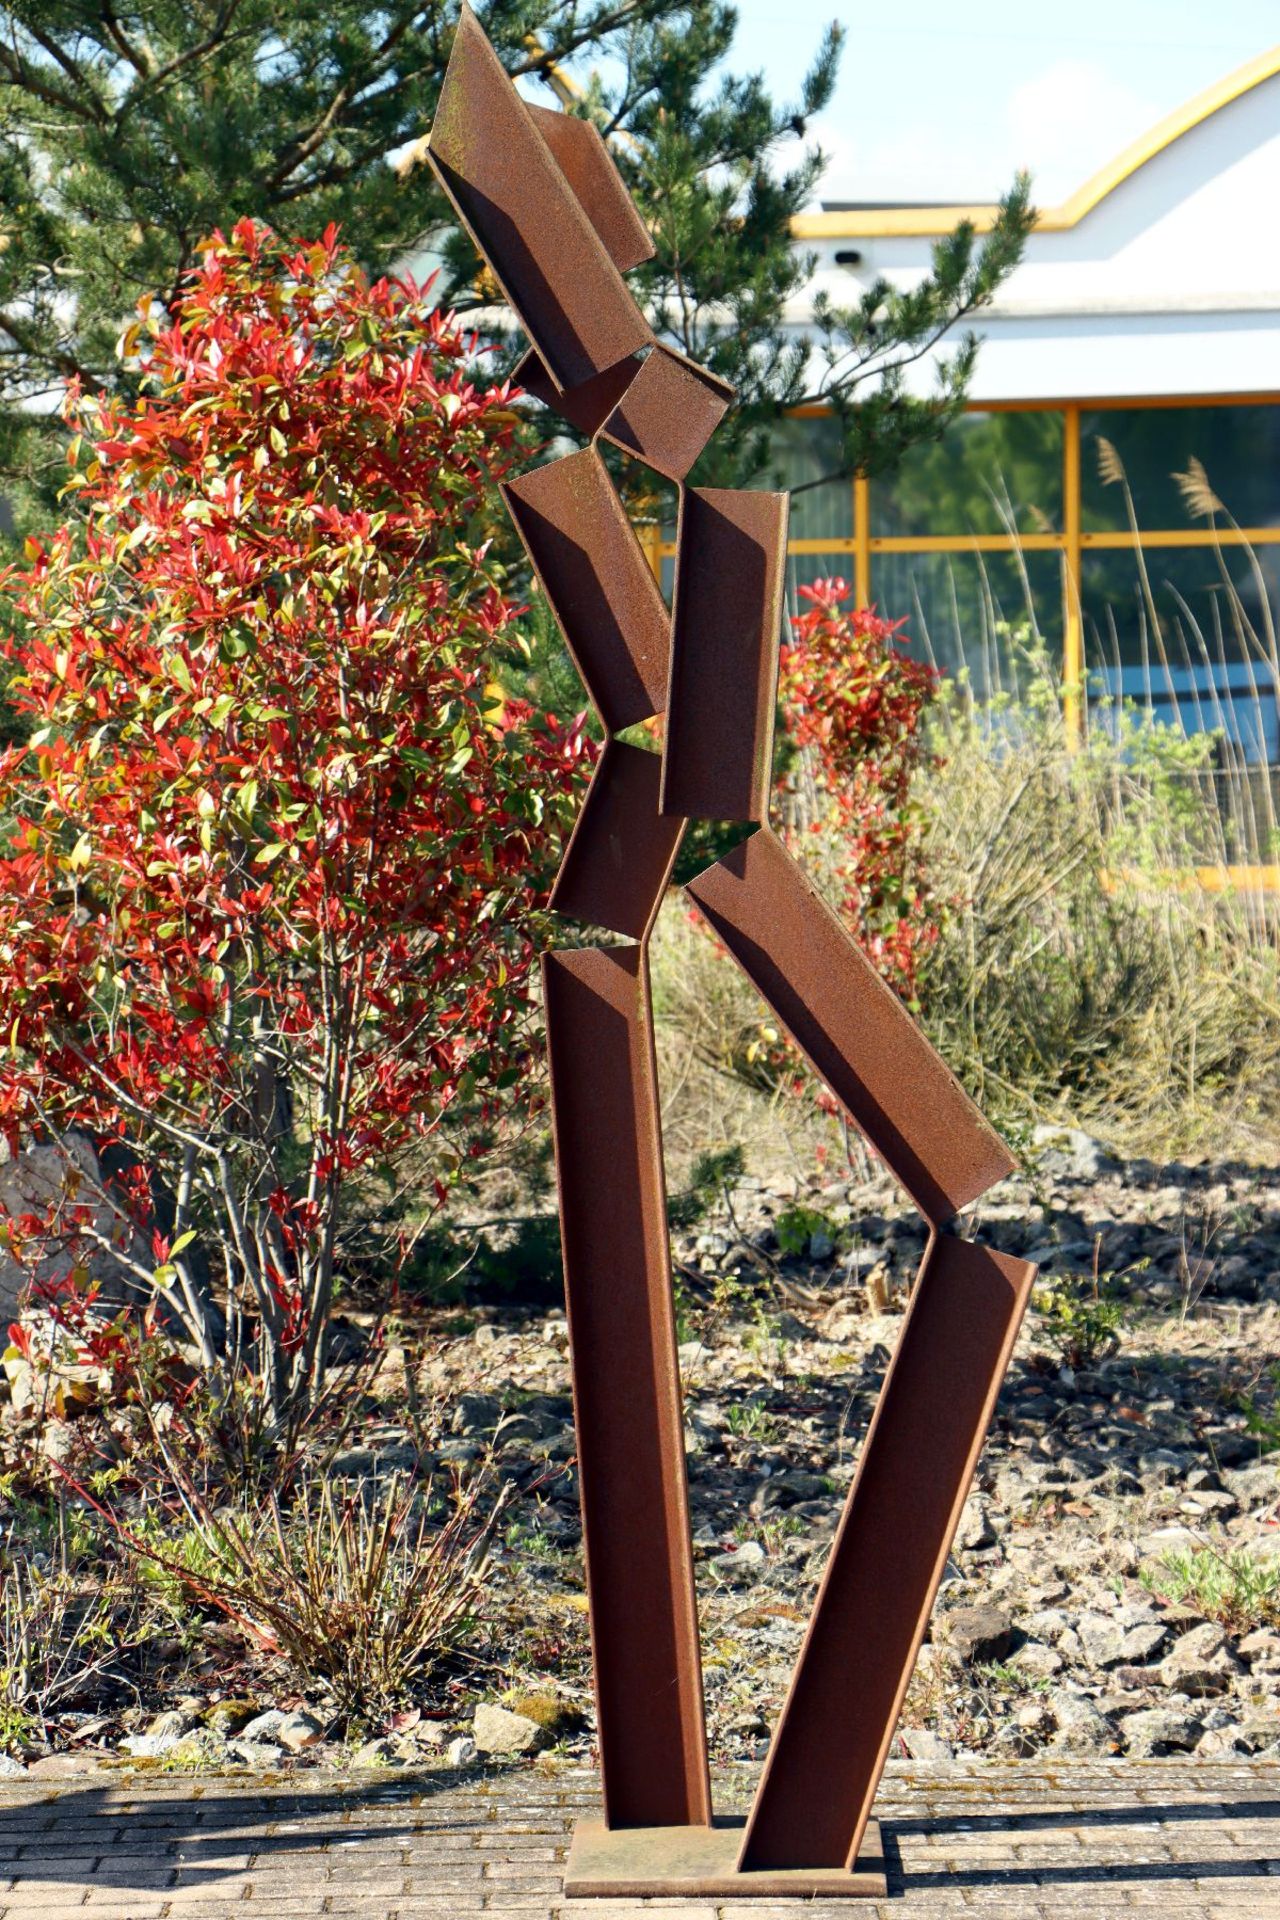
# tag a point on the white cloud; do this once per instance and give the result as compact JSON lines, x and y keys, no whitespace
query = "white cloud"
{"x":1063,"y":123}
{"x":1069,"y":120}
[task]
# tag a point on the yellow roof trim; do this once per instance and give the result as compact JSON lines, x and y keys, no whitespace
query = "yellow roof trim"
{"x":885,"y":223}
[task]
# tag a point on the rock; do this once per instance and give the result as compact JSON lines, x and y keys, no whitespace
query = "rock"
{"x":150,"y":1746}
{"x":741,"y":1567}
{"x":977,"y":1634}
{"x":375,"y":1753}
{"x":921,"y":1744}
{"x":546,"y":1709}
{"x":1108,"y":1642}
{"x":460,"y":1752}
{"x":60,"y":1766}
{"x":1253,"y":1486}
{"x":230,"y":1716}
{"x":975,"y":1530}
{"x":1200,"y":1663}
{"x":1036,"y":1661}
{"x":33,"y":1180}
{"x":9,"y":1767}
{"x":1159,"y":1730}
{"x":264,"y":1726}
{"x":1081,"y":1728}
{"x":1261,"y":1649}
{"x":476,"y":1413}
{"x":497,"y":1730}
{"x":256,"y":1753}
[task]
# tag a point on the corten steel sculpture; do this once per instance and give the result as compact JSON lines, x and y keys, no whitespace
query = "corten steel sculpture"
{"x":544,"y":204}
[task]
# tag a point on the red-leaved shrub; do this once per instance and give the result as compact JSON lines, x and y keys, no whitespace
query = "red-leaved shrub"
{"x":853,"y":703}
{"x":268,"y":909}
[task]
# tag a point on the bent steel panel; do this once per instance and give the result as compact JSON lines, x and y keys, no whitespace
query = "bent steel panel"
{"x":620,"y":855}
{"x":828,"y":1751}
{"x":599,"y":585}
{"x":854,"y":1030}
{"x":524,"y":217}
{"x":586,"y":407}
{"x":588,"y":166}
{"x":725,"y":626}
{"x":626,"y":1388}
{"x":668,"y":412}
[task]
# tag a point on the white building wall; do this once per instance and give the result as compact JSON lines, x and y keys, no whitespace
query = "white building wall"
{"x":1170,"y":285}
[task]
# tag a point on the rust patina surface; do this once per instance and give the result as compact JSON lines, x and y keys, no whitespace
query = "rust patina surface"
{"x":545,"y":205}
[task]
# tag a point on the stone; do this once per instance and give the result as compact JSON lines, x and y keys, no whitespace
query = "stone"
{"x":150,"y":1746}
{"x":929,"y":1747}
{"x":256,"y":1753}
{"x":33,"y":1179}
{"x":1036,"y":1661}
{"x":476,"y":1413}
{"x":1253,"y":1486}
{"x":497,"y":1730}
{"x":741,"y":1567}
{"x":1158,"y":1730}
{"x":264,"y":1726}
{"x":977,"y":1634}
{"x":375,"y":1753}
{"x":1200,"y":1663}
{"x":1261,"y":1649}
{"x":1080,"y":1727}
{"x":461,"y":1751}
{"x":975,"y":1530}
{"x":9,"y":1767}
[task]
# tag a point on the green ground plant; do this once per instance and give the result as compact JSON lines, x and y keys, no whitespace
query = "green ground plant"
{"x":1230,"y":1585}
{"x":1080,"y":970}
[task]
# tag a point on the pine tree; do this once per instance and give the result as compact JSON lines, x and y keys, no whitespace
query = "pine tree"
{"x":129,"y":131}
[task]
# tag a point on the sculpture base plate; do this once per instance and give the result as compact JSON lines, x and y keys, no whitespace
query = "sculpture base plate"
{"x":629,"y":1862}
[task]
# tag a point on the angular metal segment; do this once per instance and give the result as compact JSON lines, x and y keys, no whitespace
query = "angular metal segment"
{"x":726,"y":623}
{"x":522,"y":213}
{"x":588,"y":166}
{"x":620,"y":855}
{"x":855,"y":1031}
{"x":626,"y":1388}
{"x":586,"y":407}
{"x":599,"y":585}
{"x":668,"y":412}
{"x":829,"y":1749}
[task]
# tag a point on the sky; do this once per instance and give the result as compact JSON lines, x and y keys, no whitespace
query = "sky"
{"x":950,"y":99}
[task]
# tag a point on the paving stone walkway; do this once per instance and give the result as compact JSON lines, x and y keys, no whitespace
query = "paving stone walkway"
{"x":1194,"y":1841}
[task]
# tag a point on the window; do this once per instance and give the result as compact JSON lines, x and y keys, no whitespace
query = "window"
{"x":990,"y":473}
{"x":1017,"y":524}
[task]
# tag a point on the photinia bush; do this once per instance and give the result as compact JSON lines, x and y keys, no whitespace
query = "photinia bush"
{"x":853,"y":704}
{"x":269,"y":908}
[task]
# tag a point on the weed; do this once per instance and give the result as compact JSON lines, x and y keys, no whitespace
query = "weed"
{"x":59,"y":1643}
{"x":750,"y":1420}
{"x":1230,"y":1586}
{"x":795,"y":1228}
{"x":1082,"y":1314}
{"x":364,"y":1594}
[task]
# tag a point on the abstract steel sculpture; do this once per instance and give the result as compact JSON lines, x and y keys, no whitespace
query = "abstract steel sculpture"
{"x":544,"y":204}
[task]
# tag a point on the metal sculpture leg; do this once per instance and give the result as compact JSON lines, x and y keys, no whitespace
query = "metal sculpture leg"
{"x":545,"y":204}
{"x":626,"y":1389}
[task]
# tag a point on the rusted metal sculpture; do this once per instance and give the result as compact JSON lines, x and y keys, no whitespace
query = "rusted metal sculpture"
{"x":545,"y":206}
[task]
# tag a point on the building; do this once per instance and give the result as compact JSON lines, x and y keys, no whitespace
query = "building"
{"x":1115,"y":485}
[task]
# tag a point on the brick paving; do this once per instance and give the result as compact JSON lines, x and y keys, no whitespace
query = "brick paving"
{"x":1195,"y":1840}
